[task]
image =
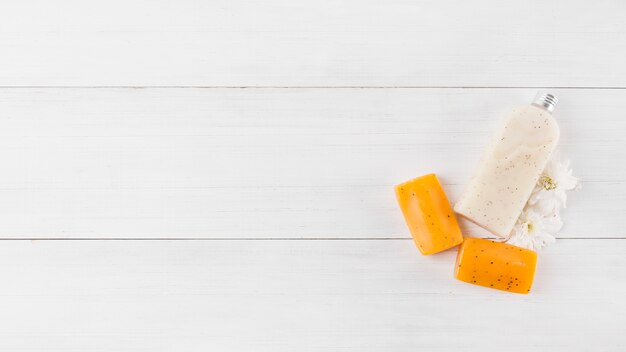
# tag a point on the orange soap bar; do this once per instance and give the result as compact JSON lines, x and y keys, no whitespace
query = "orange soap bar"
{"x":496,"y":265}
{"x":428,"y":214}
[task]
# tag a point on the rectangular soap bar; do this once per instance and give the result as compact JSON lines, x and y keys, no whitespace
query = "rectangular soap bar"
{"x":496,"y":265}
{"x":428,"y":214}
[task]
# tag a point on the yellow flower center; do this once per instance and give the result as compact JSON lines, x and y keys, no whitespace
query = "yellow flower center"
{"x":547,"y":182}
{"x":530,"y":226}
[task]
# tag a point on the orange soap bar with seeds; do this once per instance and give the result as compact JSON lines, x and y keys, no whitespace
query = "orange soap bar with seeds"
{"x":496,"y":265}
{"x":428,"y":214}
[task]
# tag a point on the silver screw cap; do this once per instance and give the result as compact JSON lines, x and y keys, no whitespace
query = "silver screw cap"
{"x":546,"y":101}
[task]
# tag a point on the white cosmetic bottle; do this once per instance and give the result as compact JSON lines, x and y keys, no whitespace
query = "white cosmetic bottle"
{"x":510,"y":167}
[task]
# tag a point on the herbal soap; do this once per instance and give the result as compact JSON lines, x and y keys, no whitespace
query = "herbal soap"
{"x":428,"y":214}
{"x":496,"y":265}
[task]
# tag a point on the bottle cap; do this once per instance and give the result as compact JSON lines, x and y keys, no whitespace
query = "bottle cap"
{"x":546,"y":101}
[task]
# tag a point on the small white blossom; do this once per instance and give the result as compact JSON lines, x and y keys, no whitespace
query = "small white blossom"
{"x":534,"y":229}
{"x":540,"y":220}
{"x":550,"y":195}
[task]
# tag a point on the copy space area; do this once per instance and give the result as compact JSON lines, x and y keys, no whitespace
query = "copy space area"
{"x":218,"y":175}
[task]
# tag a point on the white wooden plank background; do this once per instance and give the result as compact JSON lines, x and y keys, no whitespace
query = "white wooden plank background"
{"x":321,"y":43}
{"x":217,"y":175}
{"x":299,"y":295}
{"x":241,"y":163}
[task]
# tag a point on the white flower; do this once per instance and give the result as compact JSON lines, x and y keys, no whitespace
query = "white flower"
{"x":550,"y":194}
{"x":534,"y":229}
{"x":539,"y":222}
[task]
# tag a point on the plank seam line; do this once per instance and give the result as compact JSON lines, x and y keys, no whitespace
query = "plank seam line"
{"x":261,"y":239}
{"x":299,"y":87}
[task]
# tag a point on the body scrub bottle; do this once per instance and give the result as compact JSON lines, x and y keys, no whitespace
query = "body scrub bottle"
{"x":510,"y":167}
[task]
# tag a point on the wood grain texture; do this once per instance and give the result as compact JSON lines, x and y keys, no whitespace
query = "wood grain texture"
{"x":299,"y":295}
{"x":271,"y":163}
{"x":290,"y":187}
{"x":567,"y":43}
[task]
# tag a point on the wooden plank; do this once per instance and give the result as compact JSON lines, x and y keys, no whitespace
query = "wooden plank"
{"x":240,"y":163}
{"x":563,"y":43}
{"x":299,"y":295}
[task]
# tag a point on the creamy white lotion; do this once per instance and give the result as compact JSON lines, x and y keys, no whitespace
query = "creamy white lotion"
{"x":510,"y":167}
